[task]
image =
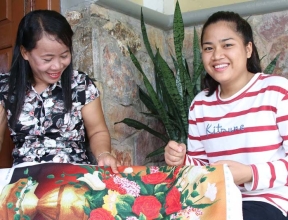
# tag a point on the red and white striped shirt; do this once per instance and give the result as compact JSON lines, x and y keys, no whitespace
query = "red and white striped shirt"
{"x":251,"y":127}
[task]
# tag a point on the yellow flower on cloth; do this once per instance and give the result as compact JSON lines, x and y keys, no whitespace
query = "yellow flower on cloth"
{"x":110,"y":201}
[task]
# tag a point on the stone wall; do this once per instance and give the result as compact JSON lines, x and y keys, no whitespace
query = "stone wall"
{"x":100,"y":49}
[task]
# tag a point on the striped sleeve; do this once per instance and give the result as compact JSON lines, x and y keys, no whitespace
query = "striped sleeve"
{"x":196,"y":154}
{"x":275,"y":173}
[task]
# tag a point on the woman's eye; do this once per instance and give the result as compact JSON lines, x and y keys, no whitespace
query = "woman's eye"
{"x":208,"y":48}
{"x":228,"y":45}
{"x":47,"y":60}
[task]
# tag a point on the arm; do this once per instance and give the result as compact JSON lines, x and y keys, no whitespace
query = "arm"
{"x":98,"y":134}
{"x":274,"y":173}
{"x":3,"y":124}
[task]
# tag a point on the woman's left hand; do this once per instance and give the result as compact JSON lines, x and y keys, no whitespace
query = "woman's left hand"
{"x":108,"y":160}
{"x":241,"y":173}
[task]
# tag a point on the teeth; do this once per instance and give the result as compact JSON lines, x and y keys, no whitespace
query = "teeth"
{"x":221,"y":65}
{"x":54,"y":74}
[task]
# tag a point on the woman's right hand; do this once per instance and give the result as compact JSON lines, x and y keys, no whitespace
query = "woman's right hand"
{"x":175,"y":153}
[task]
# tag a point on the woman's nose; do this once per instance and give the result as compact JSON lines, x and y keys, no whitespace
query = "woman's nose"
{"x":217,"y":54}
{"x":56,"y":64}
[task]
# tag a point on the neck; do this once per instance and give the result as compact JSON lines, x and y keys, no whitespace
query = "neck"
{"x":230,"y":89}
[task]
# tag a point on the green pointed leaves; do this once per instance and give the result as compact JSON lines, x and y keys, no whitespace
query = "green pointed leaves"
{"x":153,"y":95}
{"x":145,"y":37}
{"x":169,"y":100}
{"x":139,"y":126}
{"x":178,"y":32}
{"x":271,"y":66}
{"x":169,"y":81}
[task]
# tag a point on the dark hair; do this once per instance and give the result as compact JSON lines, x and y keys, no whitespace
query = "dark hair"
{"x":30,"y":30}
{"x":243,"y":28}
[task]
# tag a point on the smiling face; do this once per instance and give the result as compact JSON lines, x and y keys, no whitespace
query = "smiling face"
{"x":47,"y":60}
{"x":225,"y":56}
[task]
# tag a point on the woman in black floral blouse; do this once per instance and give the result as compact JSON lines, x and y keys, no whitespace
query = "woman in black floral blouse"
{"x":48,"y":103}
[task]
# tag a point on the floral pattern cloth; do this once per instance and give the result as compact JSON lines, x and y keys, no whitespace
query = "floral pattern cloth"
{"x":44,"y":131}
{"x":86,"y":192}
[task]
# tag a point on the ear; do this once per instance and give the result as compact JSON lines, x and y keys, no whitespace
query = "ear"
{"x":24,"y":52}
{"x":249,"y":49}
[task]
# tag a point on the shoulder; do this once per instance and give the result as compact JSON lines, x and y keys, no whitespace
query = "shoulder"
{"x":273,"y":80}
{"x":80,"y":78}
{"x":202,"y":96}
{"x":201,"y":100}
{"x":84,"y":86}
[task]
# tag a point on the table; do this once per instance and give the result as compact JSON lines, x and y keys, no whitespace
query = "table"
{"x":70,"y":191}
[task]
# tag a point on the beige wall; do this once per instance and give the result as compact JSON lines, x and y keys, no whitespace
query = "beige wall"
{"x":188,"y":5}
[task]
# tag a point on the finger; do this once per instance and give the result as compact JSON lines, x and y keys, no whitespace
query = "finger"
{"x":175,"y":146}
{"x":100,"y":163}
{"x":114,"y":167}
{"x":176,"y":160}
{"x":171,"y":163}
{"x":174,"y":153}
{"x":183,"y":147}
{"x":176,"y":163}
{"x":172,"y":158}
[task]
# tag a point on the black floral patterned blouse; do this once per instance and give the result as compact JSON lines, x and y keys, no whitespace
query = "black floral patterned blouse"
{"x":44,"y":132}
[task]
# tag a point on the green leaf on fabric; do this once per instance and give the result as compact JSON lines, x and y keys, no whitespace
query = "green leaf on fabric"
{"x":127,"y":199}
{"x":87,"y":210}
{"x":89,"y":169}
{"x":26,"y":217}
{"x":124,"y":208}
{"x":161,"y":188}
{"x":17,"y":194}
{"x":59,"y":181}
{"x":10,"y":205}
{"x":26,"y":171}
{"x":161,"y":197}
{"x":142,"y":217}
{"x":189,"y":202}
{"x":194,"y":194}
{"x":203,"y":179}
{"x":195,"y":186}
{"x":17,"y":217}
{"x":95,"y":198}
{"x":201,"y":206}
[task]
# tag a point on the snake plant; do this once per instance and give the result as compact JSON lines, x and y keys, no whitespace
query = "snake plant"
{"x":170,"y":101}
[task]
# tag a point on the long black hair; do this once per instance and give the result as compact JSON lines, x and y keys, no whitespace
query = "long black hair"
{"x":30,"y":30}
{"x":243,"y":28}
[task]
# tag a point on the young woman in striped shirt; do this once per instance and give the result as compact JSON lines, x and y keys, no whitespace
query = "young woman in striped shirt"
{"x":241,"y":119}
